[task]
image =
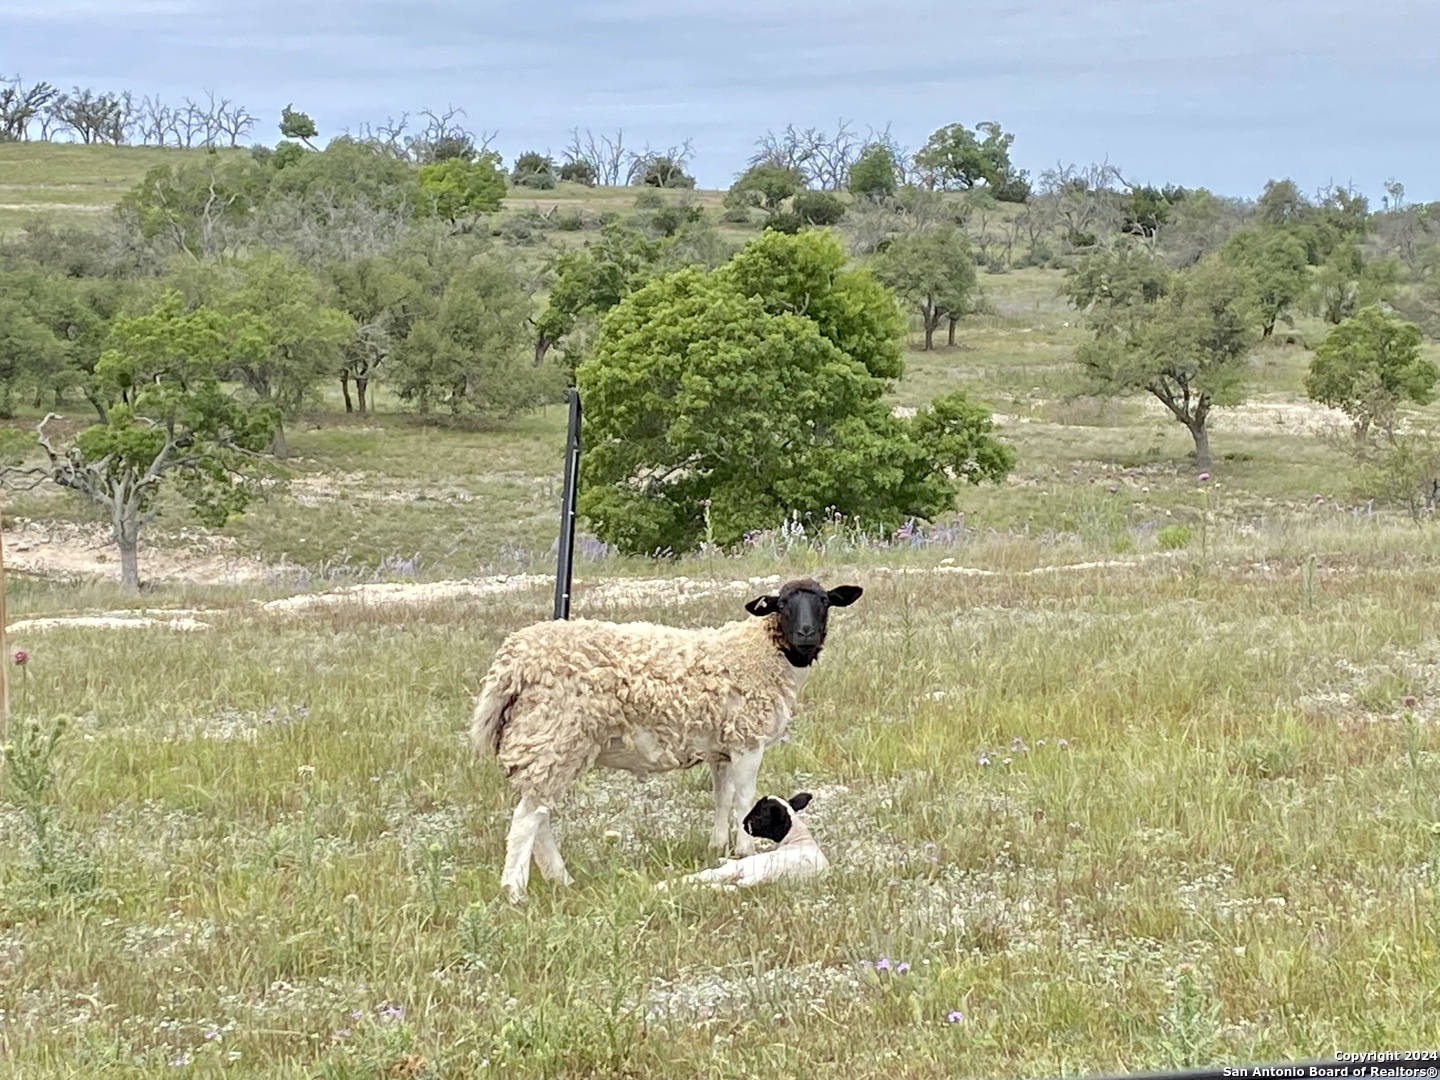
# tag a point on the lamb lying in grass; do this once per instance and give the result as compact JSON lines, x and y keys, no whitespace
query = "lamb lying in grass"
{"x":562,"y":697}
{"x":795,"y":857}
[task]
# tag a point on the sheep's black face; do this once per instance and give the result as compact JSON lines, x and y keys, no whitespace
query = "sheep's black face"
{"x":803,"y":608}
{"x":771,"y":818}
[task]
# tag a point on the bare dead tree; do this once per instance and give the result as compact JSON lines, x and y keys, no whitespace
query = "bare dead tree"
{"x":20,"y":105}
{"x":189,"y":124}
{"x":236,"y":122}
{"x":660,"y":168}
{"x":1085,"y":201}
{"x":89,"y":116}
{"x":606,"y":156}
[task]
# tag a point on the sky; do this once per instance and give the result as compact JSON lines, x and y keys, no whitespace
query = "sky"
{"x":1223,"y":94}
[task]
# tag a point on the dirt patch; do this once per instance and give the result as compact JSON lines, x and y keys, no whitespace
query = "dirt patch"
{"x":61,"y":551}
{"x":110,"y":620}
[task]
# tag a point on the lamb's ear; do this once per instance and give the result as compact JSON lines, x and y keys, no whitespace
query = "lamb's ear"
{"x":844,"y":596}
{"x":800,"y":801}
{"x":763,"y":605}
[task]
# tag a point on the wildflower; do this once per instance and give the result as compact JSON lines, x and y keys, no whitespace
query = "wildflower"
{"x":180,"y":1062}
{"x":212,"y":1034}
{"x":883,"y":964}
{"x":1062,"y":742}
{"x":902,"y":967}
{"x":1319,"y":498}
{"x":392,"y":1012}
{"x":1005,"y":762}
{"x":21,"y":656}
{"x":1203,"y":477}
{"x":1408,"y":701}
{"x":954,"y":1016}
{"x":984,"y":758}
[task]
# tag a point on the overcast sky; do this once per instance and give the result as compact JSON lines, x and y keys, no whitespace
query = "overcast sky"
{"x":1219,"y":93}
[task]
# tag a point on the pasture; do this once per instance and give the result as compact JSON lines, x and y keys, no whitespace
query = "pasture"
{"x":1119,"y":769}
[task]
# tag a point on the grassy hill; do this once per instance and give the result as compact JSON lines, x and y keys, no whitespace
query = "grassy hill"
{"x":1128,"y":769}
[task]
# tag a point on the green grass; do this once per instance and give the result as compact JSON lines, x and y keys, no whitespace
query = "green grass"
{"x":1123,"y":769}
{"x":1195,"y":772}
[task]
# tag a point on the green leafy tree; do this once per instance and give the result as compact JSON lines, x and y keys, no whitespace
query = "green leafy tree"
{"x":806,"y":274}
{"x":30,"y":355}
{"x":931,"y":270}
{"x":170,"y":423}
{"x":714,"y":403}
{"x":766,"y":186}
{"x":1281,"y":203}
{"x":348,"y":170}
{"x":590,"y":281}
{"x":533,"y":170}
{"x":195,"y":207}
{"x":579,"y":172}
{"x":297,"y":125}
{"x":382,"y":295}
{"x":819,"y":208}
{"x":1279,"y":269}
{"x":466,"y":352}
{"x":1348,"y":281}
{"x":300,"y":338}
{"x":455,"y":189}
{"x":1186,"y":344}
{"x":875,"y":174}
{"x":1367,"y":366}
{"x":956,"y":157}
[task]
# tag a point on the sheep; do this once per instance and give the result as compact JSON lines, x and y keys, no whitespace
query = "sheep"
{"x":795,"y":856}
{"x":561,"y":697}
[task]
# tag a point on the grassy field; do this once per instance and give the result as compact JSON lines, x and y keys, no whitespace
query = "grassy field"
{"x":1120,"y":769}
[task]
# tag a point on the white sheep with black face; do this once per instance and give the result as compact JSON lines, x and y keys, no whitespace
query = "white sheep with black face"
{"x":561,"y":697}
{"x":796,"y":855}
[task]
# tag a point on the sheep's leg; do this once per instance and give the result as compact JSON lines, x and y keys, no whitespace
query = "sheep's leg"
{"x":721,"y":774}
{"x":547,"y":854}
{"x":744,"y":774}
{"x":529,"y":820}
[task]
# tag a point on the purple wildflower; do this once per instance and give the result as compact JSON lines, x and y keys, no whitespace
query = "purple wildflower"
{"x":1203,"y":477}
{"x":212,"y":1034}
{"x":954,"y":1016}
{"x":883,"y":964}
{"x":902,"y":967}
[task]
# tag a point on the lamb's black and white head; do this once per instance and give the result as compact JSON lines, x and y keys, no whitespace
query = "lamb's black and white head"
{"x":772,"y":818}
{"x":803,"y":608}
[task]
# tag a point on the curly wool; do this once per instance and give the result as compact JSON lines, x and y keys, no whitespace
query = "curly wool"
{"x":563,"y":696}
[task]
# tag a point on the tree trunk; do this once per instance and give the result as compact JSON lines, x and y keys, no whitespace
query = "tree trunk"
{"x":542,"y":346}
{"x":1201,"y":434}
{"x":345,"y":389}
{"x":125,"y":529}
{"x":953,"y":322}
{"x":1269,"y":329}
{"x":929,"y":335}
{"x":280,"y":448}
{"x":362,"y":383}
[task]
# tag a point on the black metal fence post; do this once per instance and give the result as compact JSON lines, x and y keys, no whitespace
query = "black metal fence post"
{"x":564,"y":566}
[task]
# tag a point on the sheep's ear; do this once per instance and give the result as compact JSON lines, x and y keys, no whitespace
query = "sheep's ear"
{"x":800,"y":801}
{"x":763,"y":605}
{"x":844,"y":596}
